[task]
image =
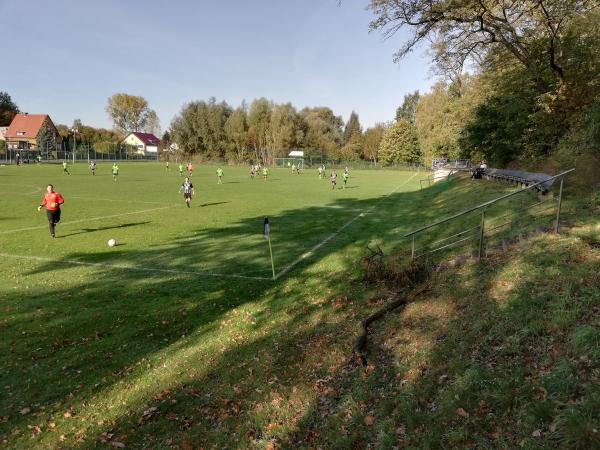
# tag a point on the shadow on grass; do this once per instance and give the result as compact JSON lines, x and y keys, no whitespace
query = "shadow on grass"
{"x":217,"y":358}
{"x":92,"y":230}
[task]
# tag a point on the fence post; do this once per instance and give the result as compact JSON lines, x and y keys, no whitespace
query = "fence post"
{"x":557,"y":224}
{"x":412,"y":250}
{"x":481,"y":232}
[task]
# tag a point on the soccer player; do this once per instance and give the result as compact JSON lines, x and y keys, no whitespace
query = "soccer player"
{"x":52,"y":201}
{"x":345,"y":177}
{"x":320,"y":169}
{"x":265,"y":173}
{"x":93,"y":167}
{"x":333,"y":179}
{"x":190,"y":169}
{"x":65,"y":170}
{"x":188,"y":189}
{"x":293,"y":168}
{"x":180,"y":169}
{"x":252,"y":171}
{"x":167,"y":166}
{"x":220,"y":175}
{"x":115,"y":171}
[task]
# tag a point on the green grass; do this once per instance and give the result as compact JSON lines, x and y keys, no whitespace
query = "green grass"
{"x":107,"y":351}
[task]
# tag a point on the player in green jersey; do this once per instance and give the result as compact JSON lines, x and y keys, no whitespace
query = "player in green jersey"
{"x":115,"y":171}
{"x":220,"y":175}
{"x":65,"y":169}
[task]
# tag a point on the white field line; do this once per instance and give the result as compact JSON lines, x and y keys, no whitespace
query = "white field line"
{"x":132,"y":268}
{"x":89,"y":219}
{"x":335,"y":233}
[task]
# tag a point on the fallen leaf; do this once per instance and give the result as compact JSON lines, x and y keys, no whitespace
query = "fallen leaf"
{"x":537,"y":433}
{"x":369,"y":420}
{"x":25,"y":411}
{"x":117,"y":444}
{"x":461,"y":412}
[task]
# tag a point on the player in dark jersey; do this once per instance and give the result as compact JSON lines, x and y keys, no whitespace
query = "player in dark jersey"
{"x":188,"y":189}
{"x":52,"y":201}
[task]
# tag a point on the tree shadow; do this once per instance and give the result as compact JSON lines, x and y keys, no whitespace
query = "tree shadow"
{"x":104,"y":348}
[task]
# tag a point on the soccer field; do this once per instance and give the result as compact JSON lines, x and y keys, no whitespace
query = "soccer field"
{"x":219,"y":236}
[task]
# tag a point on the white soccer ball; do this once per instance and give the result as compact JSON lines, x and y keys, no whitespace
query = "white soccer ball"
{"x":112,"y":242}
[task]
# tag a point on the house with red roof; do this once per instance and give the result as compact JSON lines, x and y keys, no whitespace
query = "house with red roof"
{"x":146,"y":143}
{"x":31,"y":132}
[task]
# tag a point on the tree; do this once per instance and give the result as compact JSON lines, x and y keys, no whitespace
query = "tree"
{"x":282,"y":130}
{"x":322,"y":132}
{"x":259,"y":120}
{"x":409,"y":107}
{"x":531,"y":31}
{"x":352,"y":128}
{"x":152,"y":125}
{"x":128,"y":112}
{"x":371,"y":141}
{"x":236,"y":131}
{"x":8,"y":109}
{"x":400,"y":144}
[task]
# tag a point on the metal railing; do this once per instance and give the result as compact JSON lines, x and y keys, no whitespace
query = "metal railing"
{"x":481,"y":229}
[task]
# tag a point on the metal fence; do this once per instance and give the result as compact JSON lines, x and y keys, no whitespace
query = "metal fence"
{"x":477,"y":225}
{"x":81,"y":153}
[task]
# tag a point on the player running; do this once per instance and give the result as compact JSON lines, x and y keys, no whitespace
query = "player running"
{"x":293,"y":168}
{"x":65,"y":169}
{"x":252,"y":171}
{"x":188,"y":189}
{"x":93,"y":167}
{"x":265,"y":173}
{"x":320,"y":170}
{"x":333,"y":179}
{"x":345,"y":178}
{"x":115,"y":171}
{"x":52,"y":201}
{"x":180,"y":169}
{"x":167,"y":166}
{"x":190,"y":169}
{"x":220,"y":175}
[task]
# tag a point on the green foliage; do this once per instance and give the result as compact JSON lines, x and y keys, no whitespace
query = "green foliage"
{"x":400,"y":144}
{"x":352,"y":128}
{"x":8,"y":109}
{"x":371,"y":142}
{"x":407,"y":111}
{"x":128,"y":112}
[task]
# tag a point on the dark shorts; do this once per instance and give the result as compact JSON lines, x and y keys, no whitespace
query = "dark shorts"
{"x":53,"y":216}
{"x":188,"y":195}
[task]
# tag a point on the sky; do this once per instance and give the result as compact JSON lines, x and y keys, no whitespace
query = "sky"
{"x":67,"y":57}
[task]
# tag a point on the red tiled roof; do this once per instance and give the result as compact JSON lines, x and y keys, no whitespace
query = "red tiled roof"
{"x":147,"y":138}
{"x":29,"y":124}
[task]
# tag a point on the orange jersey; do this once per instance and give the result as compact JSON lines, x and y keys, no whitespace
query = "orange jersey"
{"x":52,"y":201}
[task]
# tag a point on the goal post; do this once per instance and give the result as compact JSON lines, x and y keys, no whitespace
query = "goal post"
{"x":287,"y":163}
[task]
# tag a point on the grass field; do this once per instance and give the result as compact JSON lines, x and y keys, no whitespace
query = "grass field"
{"x":178,"y":337}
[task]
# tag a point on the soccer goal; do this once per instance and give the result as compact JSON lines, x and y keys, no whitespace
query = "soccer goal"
{"x":288,"y":162}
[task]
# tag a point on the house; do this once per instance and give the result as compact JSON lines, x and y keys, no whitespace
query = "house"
{"x":30,"y":131}
{"x":144,"y":142}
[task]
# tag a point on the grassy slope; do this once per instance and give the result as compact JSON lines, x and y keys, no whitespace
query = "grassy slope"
{"x":160,"y":361}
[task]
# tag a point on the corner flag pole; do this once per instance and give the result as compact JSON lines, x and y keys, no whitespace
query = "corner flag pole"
{"x":267,"y":233}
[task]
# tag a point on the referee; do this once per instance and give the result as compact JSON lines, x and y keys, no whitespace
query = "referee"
{"x":52,"y":201}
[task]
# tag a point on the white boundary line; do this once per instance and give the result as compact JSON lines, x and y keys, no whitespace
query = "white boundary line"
{"x":37,"y":227}
{"x":309,"y":253}
{"x":133,"y":268}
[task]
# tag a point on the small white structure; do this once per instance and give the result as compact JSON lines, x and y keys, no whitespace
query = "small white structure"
{"x":144,"y":142}
{"x":296,"y":154}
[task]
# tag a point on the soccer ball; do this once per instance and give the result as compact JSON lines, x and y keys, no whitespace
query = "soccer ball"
{"x":112,"y":242}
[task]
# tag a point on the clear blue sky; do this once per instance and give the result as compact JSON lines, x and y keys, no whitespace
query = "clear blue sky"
{"x":66,"y":57}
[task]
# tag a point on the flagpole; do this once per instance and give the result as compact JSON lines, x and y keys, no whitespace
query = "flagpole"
{"x":271,"y":252}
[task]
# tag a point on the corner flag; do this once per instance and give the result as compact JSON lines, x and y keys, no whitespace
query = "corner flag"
{"x":266,"y":228}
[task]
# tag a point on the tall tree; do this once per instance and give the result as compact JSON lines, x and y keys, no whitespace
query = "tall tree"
{"x":236,"y":131}
{"x":400,"y":144}
{"x":409,"y":107}
{"x":282,"y":130}
{"x":323,"y":132}
{"x":531,"y":31}
{"x":8,"y":109}
{"x":152,"y":124}
{"x":352,"y":128}
{"x":128,"y":112}
{"x":371,"y":141}
{"x":259,"y":121}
